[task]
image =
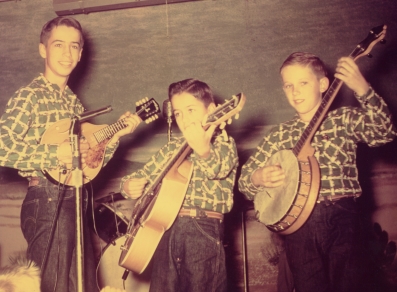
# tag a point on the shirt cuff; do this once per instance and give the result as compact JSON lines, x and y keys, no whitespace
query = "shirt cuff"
{"x":122,"y":192}
{"x":366,"y":95}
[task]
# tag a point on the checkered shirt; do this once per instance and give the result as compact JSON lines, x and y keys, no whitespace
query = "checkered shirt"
{"x":212,"y":181}
{"x":29,"y":112}
{"x":335,"y":144}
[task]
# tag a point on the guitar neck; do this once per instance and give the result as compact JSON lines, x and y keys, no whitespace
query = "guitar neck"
{"x":176,"y":159}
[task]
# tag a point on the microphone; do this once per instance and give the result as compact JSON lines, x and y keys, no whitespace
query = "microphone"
{"x":167,"y":115}
{"x":167,"y":109}
{"x":88,"y":115}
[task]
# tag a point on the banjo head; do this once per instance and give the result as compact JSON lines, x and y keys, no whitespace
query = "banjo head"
{"x":273,"y":204}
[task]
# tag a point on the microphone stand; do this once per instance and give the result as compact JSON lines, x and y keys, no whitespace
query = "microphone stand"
{"x":77,"y":179}
{"x":169,"y":121}
{"x":167,"y":114}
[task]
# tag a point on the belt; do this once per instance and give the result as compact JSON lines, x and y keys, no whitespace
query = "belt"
{"x":330,"y":199}
{"x":36,"y":180}
{"x":199,"y":213}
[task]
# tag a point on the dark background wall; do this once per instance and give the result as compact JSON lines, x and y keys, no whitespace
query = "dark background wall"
{"x":234,"y":45}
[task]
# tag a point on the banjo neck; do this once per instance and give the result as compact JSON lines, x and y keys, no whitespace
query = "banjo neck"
{"x":303,"y":149}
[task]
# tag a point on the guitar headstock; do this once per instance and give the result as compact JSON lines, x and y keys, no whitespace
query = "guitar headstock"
{"x":376,"y":35}
{"x":147,"y":109}
{"x":224,"y":112}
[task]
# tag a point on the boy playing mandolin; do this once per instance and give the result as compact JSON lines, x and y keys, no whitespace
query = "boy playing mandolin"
{"x":190,"y":255}
{"x":322,"y":254}
{"x":28,"y":114}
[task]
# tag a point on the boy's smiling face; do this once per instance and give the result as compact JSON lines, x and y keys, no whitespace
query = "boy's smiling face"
{"x":61,"y":53}
{"x":303,"y":89}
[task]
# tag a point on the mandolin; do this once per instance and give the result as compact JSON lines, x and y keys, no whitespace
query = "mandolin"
{"x":97,"y":136}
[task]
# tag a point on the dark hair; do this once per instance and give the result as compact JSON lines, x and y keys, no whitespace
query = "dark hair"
{"x":197,"y":88}
{"x":59,"y":21}
{"x":306,"y":59}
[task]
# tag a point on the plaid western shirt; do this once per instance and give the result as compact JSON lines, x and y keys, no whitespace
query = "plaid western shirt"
{"x":212,"y":181}
{"x":28,"y":114}
{"x":335,"y":144}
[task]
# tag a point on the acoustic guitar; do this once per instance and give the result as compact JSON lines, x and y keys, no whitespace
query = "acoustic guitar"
{"x":286,"y":208}
{"x":97,"y":137}
{"x":157,"y":208}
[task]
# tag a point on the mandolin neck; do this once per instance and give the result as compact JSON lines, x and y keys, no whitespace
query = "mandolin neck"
{"x":109,"y":131}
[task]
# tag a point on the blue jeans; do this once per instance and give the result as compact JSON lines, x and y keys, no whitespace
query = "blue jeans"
{"x":324,"y":253}
{"x":190,"y":257}
{"x":37,"y":213}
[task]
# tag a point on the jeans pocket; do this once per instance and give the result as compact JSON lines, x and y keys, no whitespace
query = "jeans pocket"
{"x":210,"y":228}
{"x":29,"y":218}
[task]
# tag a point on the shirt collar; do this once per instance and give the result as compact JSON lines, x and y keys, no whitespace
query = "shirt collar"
{"x":52,"y":86}
{"x":299,"y":121}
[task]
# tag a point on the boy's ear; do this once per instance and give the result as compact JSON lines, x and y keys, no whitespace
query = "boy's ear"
{"x":324,"y":83}
{"x":211,"y":107}
{"x":42,"y":51}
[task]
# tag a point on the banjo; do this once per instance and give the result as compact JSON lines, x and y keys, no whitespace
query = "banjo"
{"x":286,"y":208}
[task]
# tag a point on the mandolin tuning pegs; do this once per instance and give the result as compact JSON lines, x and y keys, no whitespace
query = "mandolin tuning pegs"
{"x":369,"y":55}
{"x":237,"y":116}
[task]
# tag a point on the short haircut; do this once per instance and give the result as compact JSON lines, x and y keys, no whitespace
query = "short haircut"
{"x":306,"y":59}
{"x":197,"y":88}
{"x":60,"y":21}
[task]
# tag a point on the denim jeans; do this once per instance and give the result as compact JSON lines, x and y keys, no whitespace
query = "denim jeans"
{"x":324,"y":253}
{"x":190,"y":257}
{"x":38,"y":208}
